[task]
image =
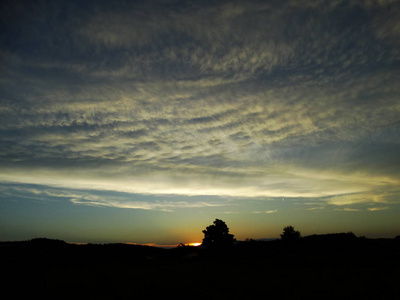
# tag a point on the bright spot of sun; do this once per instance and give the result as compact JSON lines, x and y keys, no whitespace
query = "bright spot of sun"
{"x":194,"y":244}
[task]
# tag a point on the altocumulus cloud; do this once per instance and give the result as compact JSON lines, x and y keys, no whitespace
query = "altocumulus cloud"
{"x":235,"y":98}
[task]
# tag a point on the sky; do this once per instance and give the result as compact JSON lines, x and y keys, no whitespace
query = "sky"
{"x":144,"y":121}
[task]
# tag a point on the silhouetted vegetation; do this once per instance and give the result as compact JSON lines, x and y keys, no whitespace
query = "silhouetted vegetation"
{"x":328,"y":266}
{"x":290,"y":234}
{"x":217,"y":235}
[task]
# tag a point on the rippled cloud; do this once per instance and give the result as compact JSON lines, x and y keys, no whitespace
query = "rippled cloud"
{"x":240,"y":99}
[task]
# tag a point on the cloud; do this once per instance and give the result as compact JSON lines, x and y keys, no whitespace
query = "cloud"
{"x":316,"y":208}
{"x":240,"y":99}
{"x":199,"y":179}
{"x":354,"y":199}
{"x":348,"y":209}
{"x":109,"y":199}
{"x":266,"y":212}
{"x":377,"y":208}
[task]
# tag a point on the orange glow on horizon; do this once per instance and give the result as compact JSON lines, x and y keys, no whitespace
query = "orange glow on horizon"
{"x":194,"y":244}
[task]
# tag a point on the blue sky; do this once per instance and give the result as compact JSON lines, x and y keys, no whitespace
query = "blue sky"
{"x":143,"y":121}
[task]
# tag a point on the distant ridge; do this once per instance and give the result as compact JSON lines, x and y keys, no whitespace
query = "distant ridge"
{"x":267,"y":240}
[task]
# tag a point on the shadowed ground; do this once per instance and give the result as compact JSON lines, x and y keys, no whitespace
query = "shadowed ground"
{"x":317,"y":267}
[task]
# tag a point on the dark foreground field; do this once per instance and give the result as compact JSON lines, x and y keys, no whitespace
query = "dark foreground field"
{"x":318,"y":267}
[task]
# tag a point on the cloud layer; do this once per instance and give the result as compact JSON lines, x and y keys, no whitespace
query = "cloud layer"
{"x":244,"y":99}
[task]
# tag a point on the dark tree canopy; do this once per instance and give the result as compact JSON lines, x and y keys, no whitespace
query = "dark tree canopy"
{"x":217,"y":235}
{"x":290,"y":234}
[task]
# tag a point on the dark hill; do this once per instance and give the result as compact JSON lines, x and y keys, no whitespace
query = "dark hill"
{"x":333,"y":266}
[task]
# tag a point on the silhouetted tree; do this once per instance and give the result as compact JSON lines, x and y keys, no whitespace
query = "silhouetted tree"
{"x":217,"y":235}
{"x":290,"y":234}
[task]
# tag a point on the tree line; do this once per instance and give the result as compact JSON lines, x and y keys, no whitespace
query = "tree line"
{"x":217,"y":235}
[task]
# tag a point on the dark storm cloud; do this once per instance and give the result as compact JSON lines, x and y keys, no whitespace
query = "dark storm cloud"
{"x":200,"y":93}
